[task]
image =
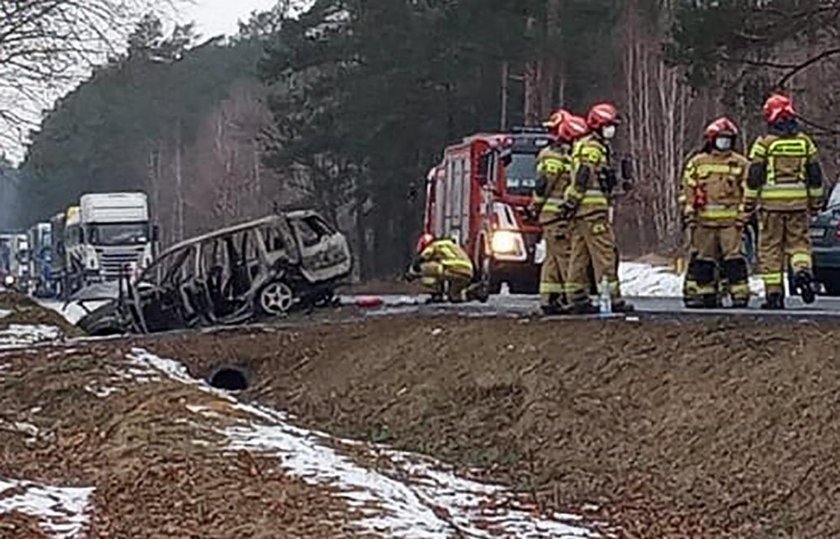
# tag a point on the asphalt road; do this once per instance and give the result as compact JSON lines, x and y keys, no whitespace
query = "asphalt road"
{"x":515,"y":306}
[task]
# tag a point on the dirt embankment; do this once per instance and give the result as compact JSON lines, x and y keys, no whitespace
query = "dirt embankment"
{"x":699,"y":428}
{"x":22,"y":309}
{"x":88,"y":417}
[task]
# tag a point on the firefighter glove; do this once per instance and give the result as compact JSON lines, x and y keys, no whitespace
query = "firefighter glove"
{"x":608,"y":180}
{"x":532,"y":212}
{"x":568,"y":209}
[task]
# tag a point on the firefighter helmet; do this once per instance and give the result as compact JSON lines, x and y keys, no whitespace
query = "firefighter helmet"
{"x":602,"y":115}
{"x":778,"y":107}
{"x":557,"y":117}
{"x":424,"y":241}
{"x":571,"y":129}
{"x":721,"y":127}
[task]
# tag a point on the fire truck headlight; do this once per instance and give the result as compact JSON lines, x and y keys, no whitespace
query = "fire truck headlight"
{"x":506,"y":242}
{"x":9,"y":281}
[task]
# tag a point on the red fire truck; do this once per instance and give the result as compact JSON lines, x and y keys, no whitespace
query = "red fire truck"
{"x":479,"y":195}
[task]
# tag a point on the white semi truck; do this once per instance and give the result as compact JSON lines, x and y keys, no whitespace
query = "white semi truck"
{"x":107,"y":235}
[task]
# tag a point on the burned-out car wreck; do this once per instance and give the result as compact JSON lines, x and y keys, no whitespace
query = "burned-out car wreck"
{"x":256,"y":270}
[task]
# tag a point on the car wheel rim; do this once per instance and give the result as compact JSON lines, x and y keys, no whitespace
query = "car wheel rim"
{"x":276,"y":298}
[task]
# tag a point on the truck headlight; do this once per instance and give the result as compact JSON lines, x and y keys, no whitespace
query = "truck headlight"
{"x":92,"y":263}
{"x":9,"y":280}
{"x":506,"y":242}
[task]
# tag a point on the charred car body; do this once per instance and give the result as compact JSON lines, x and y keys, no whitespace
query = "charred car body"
{"x":263,"y":268}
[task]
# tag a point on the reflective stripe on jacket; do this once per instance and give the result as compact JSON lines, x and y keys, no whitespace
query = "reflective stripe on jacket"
{"x":713,"y":186}
{"x":449,"y":254}
{"x":591,"y":153}
{"x":785,"y":158}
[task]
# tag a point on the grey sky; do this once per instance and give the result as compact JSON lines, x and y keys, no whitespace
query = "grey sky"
{"x":214,"y":17}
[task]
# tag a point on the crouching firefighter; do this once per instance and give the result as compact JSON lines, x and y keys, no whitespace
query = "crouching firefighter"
{"x":445,"y":269}
{"x":554,"y":172}
{"x":712,"y":199}
{"x":587,"y":200}
{"x":786,"y":184}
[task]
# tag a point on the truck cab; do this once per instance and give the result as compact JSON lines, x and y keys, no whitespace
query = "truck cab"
{"x":107,"y":235}
{"x":479,"y":195}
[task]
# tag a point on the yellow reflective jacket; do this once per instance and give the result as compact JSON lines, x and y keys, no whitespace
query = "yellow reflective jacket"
{"x":554,"y":167}
{"x":717,"y":180}
{"x":784,"y":187}
{"x":448,"y":253}
{"x":590,"y":153}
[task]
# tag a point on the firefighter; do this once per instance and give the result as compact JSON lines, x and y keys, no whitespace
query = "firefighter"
{"x":785,"y":183}
{"x":445,"y":269}
{"x":554,"y":170}
{"x":712,"y":199}
{"x":587,"y":201}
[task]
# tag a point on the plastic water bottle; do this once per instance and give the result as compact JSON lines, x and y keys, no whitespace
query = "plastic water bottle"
{"x":604,"y":297}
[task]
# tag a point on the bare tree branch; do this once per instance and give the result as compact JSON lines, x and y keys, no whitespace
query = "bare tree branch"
{"x":46,"y":45}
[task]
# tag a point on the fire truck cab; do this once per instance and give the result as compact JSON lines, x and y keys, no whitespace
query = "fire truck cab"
{"x":479,"y":195}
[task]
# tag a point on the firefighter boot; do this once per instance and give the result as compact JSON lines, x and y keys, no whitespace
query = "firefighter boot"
{"x":774,"y":302}
{"x":740,"y":303}
{"x":583,"y":307}
{"x":552,"y":307}
{"x":805,"y":285}
{"x":622,"y":306}
{"x":435,"y":298}
{"x":704,"y":291}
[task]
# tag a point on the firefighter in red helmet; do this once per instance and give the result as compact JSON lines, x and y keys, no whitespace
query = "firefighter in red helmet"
{"x":712,"y":201}
{"x":554,"y":172}
{"x":785,"y":184}
{"x":446,"y":270}
{"x":587,"y":200}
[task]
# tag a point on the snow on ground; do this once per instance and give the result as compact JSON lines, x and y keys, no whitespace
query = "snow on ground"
{"x":4,"y":313}
{"x":61,"y":512}
{"x":72,"y":311}
{"x":646,"y":281}
{"x":406,"y":496}
{"x":16,"y":335}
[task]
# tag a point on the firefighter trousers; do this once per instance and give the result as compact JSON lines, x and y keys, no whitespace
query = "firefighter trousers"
{"x":443,"y":279}
{"x":593,"y":239}
{"x":716,"y":252}
{"x":558,"y":248}
{"x":783,"y":238}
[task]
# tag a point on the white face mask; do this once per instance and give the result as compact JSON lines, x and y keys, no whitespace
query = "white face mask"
{"x":608,"y":132}
{"x":723,"y":144}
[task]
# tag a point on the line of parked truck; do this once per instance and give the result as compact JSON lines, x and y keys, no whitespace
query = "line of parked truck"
{"x":102,"y":237}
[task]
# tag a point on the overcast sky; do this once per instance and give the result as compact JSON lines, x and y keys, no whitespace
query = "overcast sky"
{"x":214,"y":17}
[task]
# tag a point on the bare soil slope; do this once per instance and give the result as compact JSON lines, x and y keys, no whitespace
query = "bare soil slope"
{"x":74,"y":418}
{"x":692,"y":428}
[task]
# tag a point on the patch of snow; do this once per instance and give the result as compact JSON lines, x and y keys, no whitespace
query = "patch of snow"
{"x":61,"y":511}
{"x":646,"y":281}
{"x":26,"y":335}
{"x":72,"y":311}
{"x":406,"y":495}
{"x":100,"y":391}
{"x":4,"y":313}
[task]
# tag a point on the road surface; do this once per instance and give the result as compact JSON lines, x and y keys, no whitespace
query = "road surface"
{"x":518,"y":305}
